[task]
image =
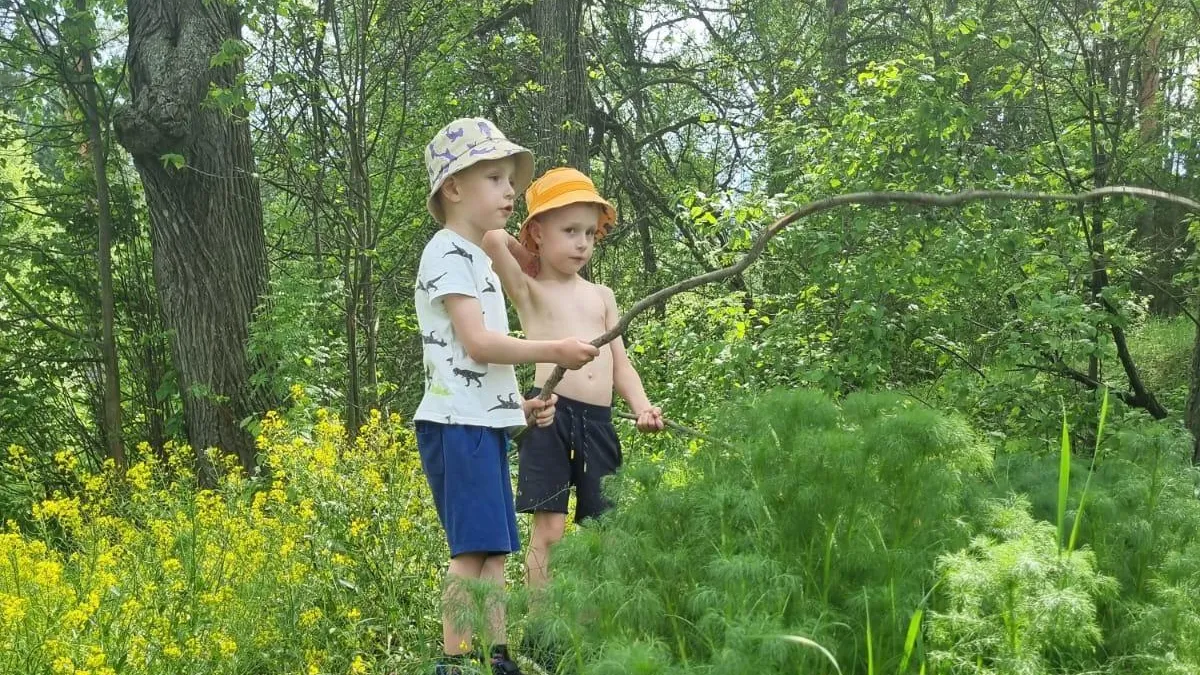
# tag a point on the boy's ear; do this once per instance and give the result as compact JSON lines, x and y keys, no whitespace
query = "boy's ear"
{"x":535,"y":231}
{"x":450,"y":190}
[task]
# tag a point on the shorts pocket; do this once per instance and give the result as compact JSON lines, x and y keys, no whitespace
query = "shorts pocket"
{"x":429,"y":446}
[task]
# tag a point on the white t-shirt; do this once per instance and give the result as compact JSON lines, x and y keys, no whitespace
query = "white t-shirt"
{"x":459,"y":390}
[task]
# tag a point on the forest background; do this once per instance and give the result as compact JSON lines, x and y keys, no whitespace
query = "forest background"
{"x":965,"y":437}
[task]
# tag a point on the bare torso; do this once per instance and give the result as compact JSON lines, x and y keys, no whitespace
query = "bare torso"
{"x":575,"y":308}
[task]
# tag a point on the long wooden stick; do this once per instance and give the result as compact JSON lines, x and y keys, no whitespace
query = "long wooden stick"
{"x":676,"y":426}
{"x":865,"y":198}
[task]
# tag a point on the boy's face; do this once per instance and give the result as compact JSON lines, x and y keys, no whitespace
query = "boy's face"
{"x":566,"y":236}
{"x":482,"y":194}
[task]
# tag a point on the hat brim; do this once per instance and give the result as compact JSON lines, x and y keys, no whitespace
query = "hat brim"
{"x":499,"y":148}
{"x":608,"y":214}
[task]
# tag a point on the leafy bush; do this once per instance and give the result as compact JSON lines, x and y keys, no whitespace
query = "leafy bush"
{"x":882,"y":531}
{"x":333,"y":564}
{"x":825,"y":520}
{"x":1014,"y":603}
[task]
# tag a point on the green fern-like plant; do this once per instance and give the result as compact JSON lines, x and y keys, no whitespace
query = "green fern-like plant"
{"x":822,"y":516}
{"x":1014,"y":603}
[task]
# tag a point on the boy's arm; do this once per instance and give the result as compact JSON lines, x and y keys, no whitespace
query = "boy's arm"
{"x":626,"y":380}
{"x":498,"y":244}
{"x":487,"y":346}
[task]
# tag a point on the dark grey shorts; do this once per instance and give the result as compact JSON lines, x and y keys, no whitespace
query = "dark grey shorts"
{"x":579,"y":449}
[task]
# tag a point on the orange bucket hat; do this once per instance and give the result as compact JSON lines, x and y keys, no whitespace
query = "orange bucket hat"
{"x":561,"y":187}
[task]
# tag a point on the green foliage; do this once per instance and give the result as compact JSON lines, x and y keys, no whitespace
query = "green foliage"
{"x":293,"y":337}
{"x":823,"y":514}
{"x":879,"y":530}
{"x":1162,"y":349}
{"x":1015,"y":601}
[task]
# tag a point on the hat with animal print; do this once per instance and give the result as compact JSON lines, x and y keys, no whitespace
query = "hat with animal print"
{"x":464,"y":142}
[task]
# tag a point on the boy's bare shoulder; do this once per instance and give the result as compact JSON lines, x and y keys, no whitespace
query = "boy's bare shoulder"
{"x":605,"y":291}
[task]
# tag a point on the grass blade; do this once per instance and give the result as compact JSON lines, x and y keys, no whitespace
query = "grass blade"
{"x":801,"y":640}
{"x":870,"y":640}
{"x":1064,"y":480}
{"x":1091,"y":469}
{"x":910,"y":640}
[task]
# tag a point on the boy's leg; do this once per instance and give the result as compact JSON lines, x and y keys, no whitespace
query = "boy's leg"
{"x":456,"y":639}
{"x":544,"y":486}
{"x":500,"y":661}
{"x":468,"y":474}
{"x":493,"y":571}
{"x":548,"y":529}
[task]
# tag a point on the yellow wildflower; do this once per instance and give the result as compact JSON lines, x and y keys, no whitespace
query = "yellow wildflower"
{"x":305,"y":510}
{"x":12,"y":609}
{"x":139,"y":476}
{"x":96,"y":657}
{"x":310,"y":617}
{"x":66,"y":460}
{"x":225,"y":645}
{"x":66,"y":510}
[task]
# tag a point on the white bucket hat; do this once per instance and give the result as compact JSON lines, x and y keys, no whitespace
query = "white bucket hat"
{"x":464,"y":142}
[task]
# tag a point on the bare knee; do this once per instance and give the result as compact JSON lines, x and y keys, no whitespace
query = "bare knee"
{"x":548,"y":529}
{"x":468,"y":565}
{"x":493,"y":568}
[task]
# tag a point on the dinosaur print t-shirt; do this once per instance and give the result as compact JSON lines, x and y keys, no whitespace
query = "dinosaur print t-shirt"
{"x":459,"y":390}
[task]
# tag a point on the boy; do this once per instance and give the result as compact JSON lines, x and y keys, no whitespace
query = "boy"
{"x":540,"y":274}
{"x":470,"y":399}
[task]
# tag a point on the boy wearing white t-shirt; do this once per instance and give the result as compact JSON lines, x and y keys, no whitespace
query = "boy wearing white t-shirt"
{"x":471,"y":400}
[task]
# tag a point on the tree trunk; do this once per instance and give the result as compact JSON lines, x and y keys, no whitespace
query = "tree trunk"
{"x":371,"y":328}
{"x":1148,"y":72}
{"x":350,"y":282}
{"x":108,"y":343}
{"x":209,"y":248}
{"x":318,"y":133}
{"x":1158,"y":226}
{"x":561,"y":109}
{"x":835,"y":48}
{"x":73,"y":60}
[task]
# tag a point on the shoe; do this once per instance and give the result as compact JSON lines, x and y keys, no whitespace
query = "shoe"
{"x":542,"y":653}
{"x":503,"y":665}
{"x":455,"y":665}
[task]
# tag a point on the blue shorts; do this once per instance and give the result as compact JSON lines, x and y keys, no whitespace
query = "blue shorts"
{"x":467,"y":470}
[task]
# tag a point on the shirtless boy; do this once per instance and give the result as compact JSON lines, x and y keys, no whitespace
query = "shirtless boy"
{"x":540,"y":274}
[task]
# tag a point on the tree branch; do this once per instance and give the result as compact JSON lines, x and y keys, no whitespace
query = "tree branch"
{"x":964,"y":360}
{"x":675,"y":426}
{"x":1142,"y":397}
{"x":867,"y":199}
{"x":514,"y":11}
{"x":50,"y":323}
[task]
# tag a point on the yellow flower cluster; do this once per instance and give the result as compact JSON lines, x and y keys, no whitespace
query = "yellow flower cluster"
{"x":327,"y":563}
